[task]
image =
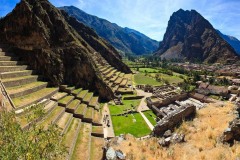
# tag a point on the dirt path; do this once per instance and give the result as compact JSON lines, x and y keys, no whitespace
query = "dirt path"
{"x":108,"y":131}
{"x":143,"y":105}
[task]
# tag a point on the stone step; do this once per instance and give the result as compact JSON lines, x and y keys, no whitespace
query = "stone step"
{"x":71,"y":135}
{"x":8,"y":58}
{"x":13,"y":68}
{"x":23,"y":118}
{"x":52,"y":117}
{"x":26,"y":89}
{"x":124,"y":82}
{"x":73,"y":106}
{"x":11,"y":82}
{"x":67,"y":88}
{"x":15,"y":74}
{"x":87,"y":98}
{"x":94,"y":101}
{"x":76,"y":91}
{"x":50,"y":106}
{"x":65,"y":101}
{"x":97,"y":131}
{"x":88,"y":117}
{"x":82,"y":147}
{"x":118,"y":81}
{"x":80,"y":111}
{"x":23,"y":101}
{"x":97,"y":118}
{"x":82,"y":94}
{"x":12,"y":63}
{"x":97,"y":145}
{"x":64,"y":121}
{"x":58,"y":96}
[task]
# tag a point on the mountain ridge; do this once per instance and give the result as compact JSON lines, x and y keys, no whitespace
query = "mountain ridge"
{"x":121,"y":38}
{"x":233,"y":41}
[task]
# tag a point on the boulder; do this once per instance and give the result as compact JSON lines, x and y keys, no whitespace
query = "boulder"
{"x":111,"y":154}
{"x":168,"y":133}
{"x":120,"y":154}
{"x":232,"y":132}
{"x":177,"y":138}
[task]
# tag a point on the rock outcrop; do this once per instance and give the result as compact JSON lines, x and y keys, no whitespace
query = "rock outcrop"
{"x":124,"y":39}
{"x":43,"y":37}
{"x":189,"y":36}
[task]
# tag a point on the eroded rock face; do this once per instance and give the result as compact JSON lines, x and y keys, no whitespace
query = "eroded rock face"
{"x":42,"y":36}
{"x":190,"y":36}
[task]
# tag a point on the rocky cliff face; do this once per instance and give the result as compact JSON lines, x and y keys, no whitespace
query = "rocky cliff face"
{"x":189,"y":36}
{"x":43,"y":37}
{"x":124,"y":39}
{"x":100,"y":45}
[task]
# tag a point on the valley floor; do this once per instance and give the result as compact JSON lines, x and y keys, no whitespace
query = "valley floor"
{"x":202,"y":139}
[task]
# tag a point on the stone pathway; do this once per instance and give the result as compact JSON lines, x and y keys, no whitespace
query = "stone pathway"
{"x":108,"y":131}
{"x":147,"y":121}
{"x":143,"y":106}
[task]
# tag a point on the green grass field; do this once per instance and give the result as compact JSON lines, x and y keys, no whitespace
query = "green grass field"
{"x":118,"y":109}
{"x":140,"y":78}
{"x":150,"y":116}
{"x":133,"y":124}
{"x":170,"y":79}
{"x":149,"y":70}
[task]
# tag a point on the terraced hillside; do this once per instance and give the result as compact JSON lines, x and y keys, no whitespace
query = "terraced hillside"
{"x":78,"y":132}
{"x":23,"y":85}
{"x":75,"y":110}
{"x":119,"y":82}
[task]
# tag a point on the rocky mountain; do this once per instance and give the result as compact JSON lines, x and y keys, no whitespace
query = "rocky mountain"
{"x":234,"y":42}
{"x":58,"y":46}
{"x":124,"y":39}
{"x":189,"y":36}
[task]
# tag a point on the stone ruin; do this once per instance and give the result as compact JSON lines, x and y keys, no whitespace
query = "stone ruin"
{"x":165,"y":95}
{"x":173,"y":118}
{"x":232,"y":133}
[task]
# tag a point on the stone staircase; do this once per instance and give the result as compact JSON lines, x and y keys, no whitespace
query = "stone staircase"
{"x":23,"y":85}
{"x":74,"y":110}
{"x":119,"y":82}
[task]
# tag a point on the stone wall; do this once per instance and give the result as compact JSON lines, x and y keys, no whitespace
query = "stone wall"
{"x":173,"y":120}
{"x":167,"y":101}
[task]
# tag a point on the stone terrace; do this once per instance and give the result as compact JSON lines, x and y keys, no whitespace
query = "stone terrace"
{"x":119,"y":82}
{"x":74,"y":110}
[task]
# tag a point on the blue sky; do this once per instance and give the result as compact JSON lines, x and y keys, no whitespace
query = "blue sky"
{"x":151,"y":16}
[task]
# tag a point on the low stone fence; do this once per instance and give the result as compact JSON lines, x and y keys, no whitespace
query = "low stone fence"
{"x":133,"y":97}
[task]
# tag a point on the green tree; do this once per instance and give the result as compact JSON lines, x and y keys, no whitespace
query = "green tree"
{"x":31,"y":143}
{"x":157,"y":77}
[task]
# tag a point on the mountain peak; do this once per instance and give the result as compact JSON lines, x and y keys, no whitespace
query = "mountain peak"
{"x":190,"y":36}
